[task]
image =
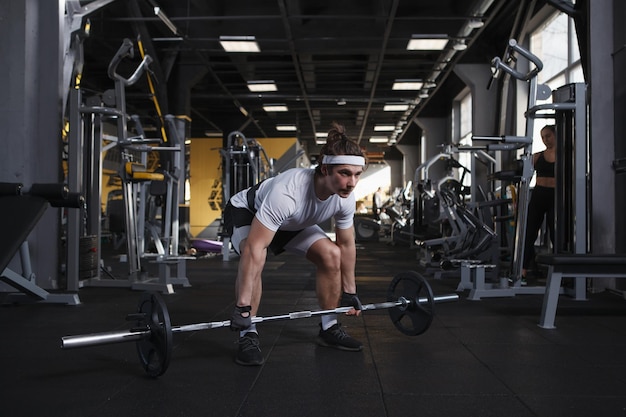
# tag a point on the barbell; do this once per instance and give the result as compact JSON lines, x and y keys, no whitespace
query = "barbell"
{"x":410,"y":303}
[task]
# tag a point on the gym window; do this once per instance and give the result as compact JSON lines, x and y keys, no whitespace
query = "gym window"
{"x":554,"y":41}
{"x":462,"y":131}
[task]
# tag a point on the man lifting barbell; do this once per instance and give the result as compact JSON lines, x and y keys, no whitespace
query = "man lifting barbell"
{"x":282,"y":214}
{"x":288,"y":208}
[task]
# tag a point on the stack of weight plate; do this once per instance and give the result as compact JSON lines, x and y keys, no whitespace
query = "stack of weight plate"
{"x":88,"y":257}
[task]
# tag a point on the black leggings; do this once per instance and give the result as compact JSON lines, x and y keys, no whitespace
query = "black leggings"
{"x":541,"y":204}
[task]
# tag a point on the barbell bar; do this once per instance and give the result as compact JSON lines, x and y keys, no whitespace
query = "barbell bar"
{"x":132,"y":335}
{"x":410,"y":305}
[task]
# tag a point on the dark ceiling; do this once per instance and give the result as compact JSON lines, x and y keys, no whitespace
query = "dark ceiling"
{"x":330,"y":60}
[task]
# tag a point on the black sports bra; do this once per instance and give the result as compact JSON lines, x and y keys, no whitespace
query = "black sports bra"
{"x":544,"y":168}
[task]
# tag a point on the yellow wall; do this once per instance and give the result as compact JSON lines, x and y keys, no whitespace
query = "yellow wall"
{"x":276,"y":147}
{"x":206,"y":174}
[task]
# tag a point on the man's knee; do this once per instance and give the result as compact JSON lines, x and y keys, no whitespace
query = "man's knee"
{"x":325,"y":254}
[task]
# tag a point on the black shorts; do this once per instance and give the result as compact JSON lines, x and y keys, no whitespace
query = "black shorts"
{"x":235,"y":217}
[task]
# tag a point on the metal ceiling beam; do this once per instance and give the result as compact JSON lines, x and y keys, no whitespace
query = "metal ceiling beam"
{"x":381,"y":59}
{"x":296,"y":62}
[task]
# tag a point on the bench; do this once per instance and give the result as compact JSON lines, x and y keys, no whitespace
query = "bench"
{"x":575,"y":266}
{"x":19,"y":214}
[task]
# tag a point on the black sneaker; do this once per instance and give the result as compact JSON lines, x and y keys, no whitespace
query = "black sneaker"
{"x":249,"y":352}
{"x":337,"y":338}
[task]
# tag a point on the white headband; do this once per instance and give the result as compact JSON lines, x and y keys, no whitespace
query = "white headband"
{"x":343,"y":160}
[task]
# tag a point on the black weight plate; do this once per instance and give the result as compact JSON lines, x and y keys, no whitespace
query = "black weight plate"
{"x":414,"y":318}
{"x":155,"y":350}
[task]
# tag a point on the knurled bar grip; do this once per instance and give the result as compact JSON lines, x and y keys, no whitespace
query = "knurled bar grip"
{"x":94,"y":339}
{"x":291,"y":316}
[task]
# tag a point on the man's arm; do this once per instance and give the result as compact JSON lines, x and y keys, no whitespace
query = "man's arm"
{"x":253,"y":254}
{"x":345,"y":241}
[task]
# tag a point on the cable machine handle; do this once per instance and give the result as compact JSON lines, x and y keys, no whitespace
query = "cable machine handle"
{"x":497,"y":64}
{"x":126,"y":50}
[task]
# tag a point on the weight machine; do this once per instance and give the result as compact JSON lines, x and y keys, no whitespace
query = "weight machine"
{"x":244,"y":164}
{"x":85,"y":172}
{"x":570,"y":108}
{"x":395,"y":222}
{"x":468,"y":230}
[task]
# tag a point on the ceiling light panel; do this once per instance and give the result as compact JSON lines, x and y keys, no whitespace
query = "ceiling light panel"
{"x":286,"y":128}
{"x":379,"y":139}
{"x":262,"y":86}
{"x":395,"y":107}
{"x":239,"y":44}
{"x":384,"y":128}
{"x":275,"y":107}
{"x":407,"y":85}
{"x":431,"y":43}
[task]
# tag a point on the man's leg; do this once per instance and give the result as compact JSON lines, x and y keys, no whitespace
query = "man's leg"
{"x":249,"y":351}
{"x":325,"y":255}
{"x":257,"y":285}
{"x":327,"y":258}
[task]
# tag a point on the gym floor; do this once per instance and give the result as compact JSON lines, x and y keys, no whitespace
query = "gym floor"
{"x":479,"y":358}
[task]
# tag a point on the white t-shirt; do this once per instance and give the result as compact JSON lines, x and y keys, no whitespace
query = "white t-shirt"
{"x":288,"y":202}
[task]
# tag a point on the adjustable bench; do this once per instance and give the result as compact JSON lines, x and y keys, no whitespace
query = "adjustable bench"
{"x":575,"y":266}
{"x":19,"y":214}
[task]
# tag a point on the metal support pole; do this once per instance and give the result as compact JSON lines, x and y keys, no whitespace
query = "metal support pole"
{"x":75,"y":184}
